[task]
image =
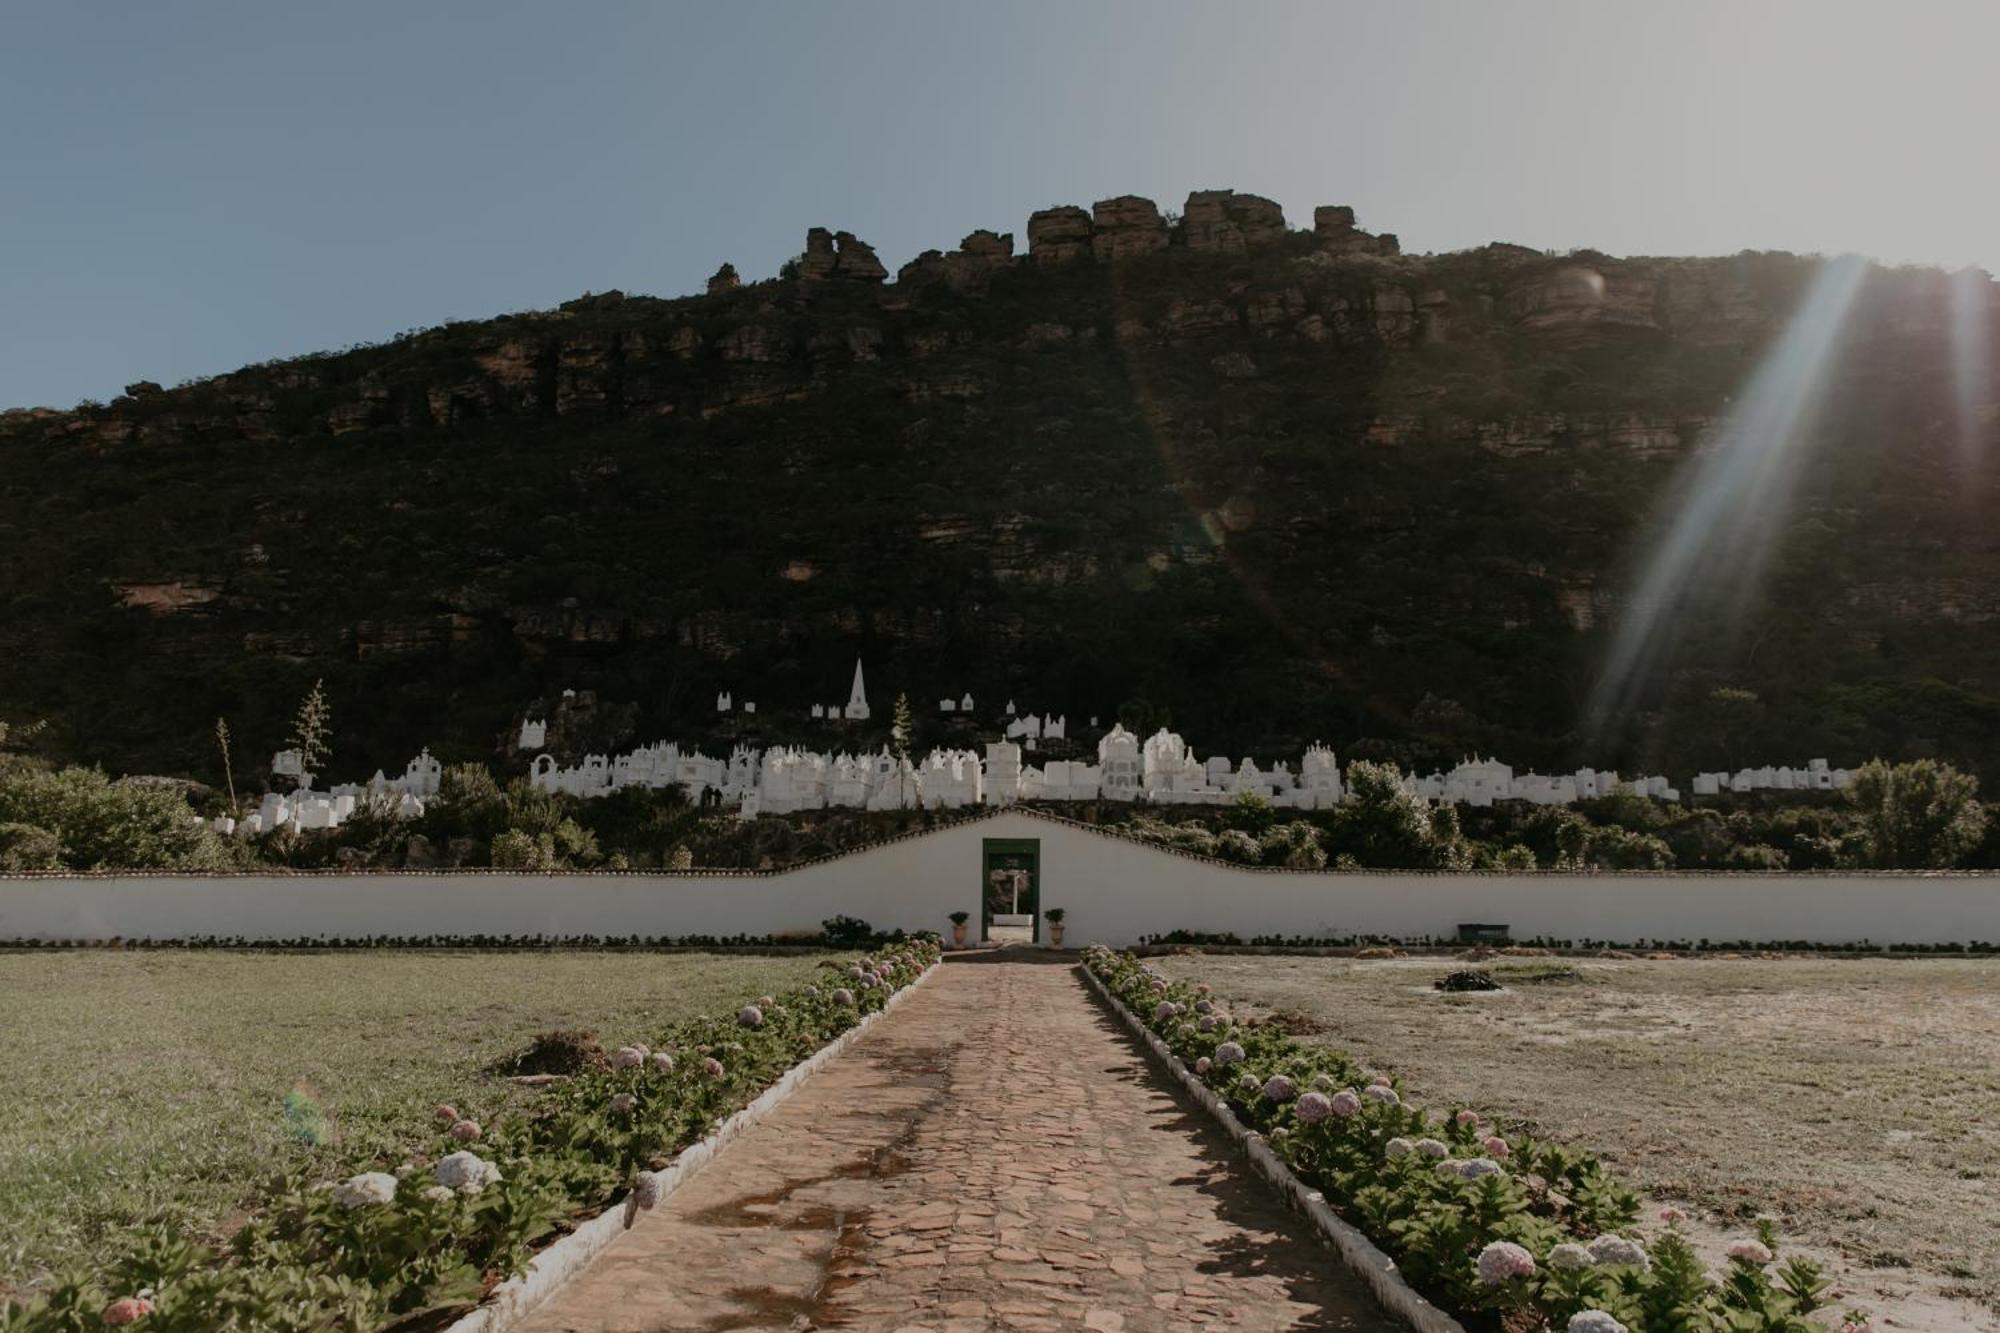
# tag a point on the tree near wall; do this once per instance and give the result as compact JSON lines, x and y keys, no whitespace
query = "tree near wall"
{"x":1922,"y":815}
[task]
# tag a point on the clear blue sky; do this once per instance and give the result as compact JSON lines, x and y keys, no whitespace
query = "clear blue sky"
{"x":188,"y":187}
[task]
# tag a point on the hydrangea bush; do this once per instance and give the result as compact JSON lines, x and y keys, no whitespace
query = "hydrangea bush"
{"x":393,"y":1241}
{"x":1480,"y":1219}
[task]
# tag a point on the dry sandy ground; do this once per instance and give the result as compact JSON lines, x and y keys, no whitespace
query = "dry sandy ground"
{"x":1858,"y":1101}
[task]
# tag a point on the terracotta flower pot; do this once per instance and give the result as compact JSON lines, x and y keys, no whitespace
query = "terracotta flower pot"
{"x":1055,"y":935}
{"x":958,"y":934}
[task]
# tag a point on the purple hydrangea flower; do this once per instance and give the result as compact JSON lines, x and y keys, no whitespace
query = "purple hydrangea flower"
{"x":1228,"y":1053}
{"x":1280,"y":1089}
{"x":1314,"y":1107}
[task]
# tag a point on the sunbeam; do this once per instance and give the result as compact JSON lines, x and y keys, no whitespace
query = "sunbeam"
{"x":1971,"y":359}
{"x":1727,"y":512}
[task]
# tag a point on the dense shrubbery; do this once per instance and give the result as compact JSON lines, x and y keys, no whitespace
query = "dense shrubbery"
{"x":1906,"y":816}
{"x":1478,"y":1218}
{"x":440,"y":1229}
{"x":79,"y":819}
{"x":1920,"y":815}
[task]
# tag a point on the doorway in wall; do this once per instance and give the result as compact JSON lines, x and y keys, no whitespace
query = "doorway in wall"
{"x":1010,"y":882}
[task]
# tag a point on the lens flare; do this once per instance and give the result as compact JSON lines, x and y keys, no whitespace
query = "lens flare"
{"x":1971,"y":359}
{"x":1725,"y":516}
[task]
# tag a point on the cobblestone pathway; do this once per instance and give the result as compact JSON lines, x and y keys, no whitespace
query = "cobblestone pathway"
{"x":993,"y":1155}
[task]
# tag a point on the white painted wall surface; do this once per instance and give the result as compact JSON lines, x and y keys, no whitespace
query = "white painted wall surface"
{"x":1115,"y":891}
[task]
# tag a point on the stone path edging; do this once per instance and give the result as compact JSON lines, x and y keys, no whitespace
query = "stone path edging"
{"x":511,"y":1301}
{"x":1360,"y":1254}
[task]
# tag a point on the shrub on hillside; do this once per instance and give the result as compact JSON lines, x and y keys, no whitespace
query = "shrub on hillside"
{"x":99,"y":824}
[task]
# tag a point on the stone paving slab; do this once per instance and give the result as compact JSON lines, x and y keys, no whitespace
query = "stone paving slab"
{"x":995,"y":1154}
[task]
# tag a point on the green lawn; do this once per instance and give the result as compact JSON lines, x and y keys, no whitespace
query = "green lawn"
{"x":174,"y":1083}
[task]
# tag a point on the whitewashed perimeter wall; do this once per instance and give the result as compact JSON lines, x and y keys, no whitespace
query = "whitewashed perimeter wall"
{"x":1115,"y":890}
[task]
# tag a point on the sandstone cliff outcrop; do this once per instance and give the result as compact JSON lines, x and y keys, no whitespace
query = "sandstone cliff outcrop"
{"x":1230,"y":223}
{"x":966,"y":269}
{"x":1058,"y":234}
{"x":1126,"y":227}
{"x":724,"y":280}
{"x":1335,"y":233}
{"x":839,"y":255}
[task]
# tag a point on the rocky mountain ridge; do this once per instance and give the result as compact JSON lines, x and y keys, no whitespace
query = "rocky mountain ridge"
{"x":1381,"y":499}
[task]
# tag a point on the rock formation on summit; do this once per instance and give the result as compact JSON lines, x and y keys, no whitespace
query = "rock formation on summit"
{"x":1225,"y":221}
{"x":839,"y":255}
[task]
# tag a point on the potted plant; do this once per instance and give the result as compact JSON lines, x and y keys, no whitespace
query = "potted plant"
{"x":958,"y":920}
{"x":1055,"y":918}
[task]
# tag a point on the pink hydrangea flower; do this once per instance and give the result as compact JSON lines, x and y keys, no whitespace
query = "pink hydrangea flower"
{"x":1207,"y":1023}
{"x":1496,"y":1147}
{"x":1467,"y":1119}
{"x":1672,"y":1216}
{"x":843,"y":996}
{"x":623,"y":1103}
{"x":1345,"y":1103}
{"x":766,"y":1001}
{"x":1201,"y":988}
{"x":465,"y":1131}
{"x":1433,"y":1148}
{"x":1751,"y":1252}
{"x":1163,"y":1011}
{"x":1613,"y":1250}
{"x":663,"y":1062}
{"x":445,"y":1113}
{"x":712,"y":1067}
{"x":365,"y":1190}
{"x":627,"y":1057}
{"x":1314,"y":1107}
{"x":750,"y":1016}
{"x":1383,"y":1093}
{"x":1280,"y":1089}
{"x":126,"y":1310}
{"x":1469,"y":1168}
{"x":1594,"y":1321}
{"x":1570,"y":1258}
{"x":1204,"y":1006}
{"x":1248,"y":1084}
{"x":1503,"y":1259}
{"x":1398,"y":1147}
{"x":1228,"y":1053}
{"x":1201,"y":1065}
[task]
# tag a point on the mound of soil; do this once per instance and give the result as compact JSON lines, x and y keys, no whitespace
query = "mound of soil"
{"x":1297,"y":1023}
{"x":1466,"y":979}
{"x":564,"y":1051}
